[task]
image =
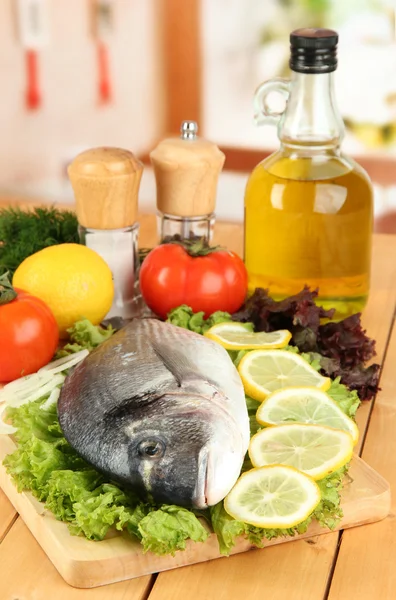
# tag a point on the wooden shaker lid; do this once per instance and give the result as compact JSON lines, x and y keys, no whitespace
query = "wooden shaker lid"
{"x":106,"y":183}
{"x":186,"y":171}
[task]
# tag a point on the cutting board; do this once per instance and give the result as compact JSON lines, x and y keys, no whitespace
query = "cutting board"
{"x":87,"y":564}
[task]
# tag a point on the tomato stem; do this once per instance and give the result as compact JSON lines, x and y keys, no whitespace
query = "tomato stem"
{"x":196,"y":247}
{"x":7,"y":292}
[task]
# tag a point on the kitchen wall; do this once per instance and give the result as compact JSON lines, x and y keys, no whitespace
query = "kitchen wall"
{"x":243,"y":43}
{"x":246,"y":42}
{"x":35,"y":146}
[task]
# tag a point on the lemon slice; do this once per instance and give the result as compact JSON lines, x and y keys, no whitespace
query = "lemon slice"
{"x":312,"y":449}
{"x":265,"y":371}
{"x":305,"y":405}
{"x":275,"y":496}
{"x":237,"y":336}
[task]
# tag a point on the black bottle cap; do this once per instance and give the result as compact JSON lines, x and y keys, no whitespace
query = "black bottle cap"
{"x":313,"y":50}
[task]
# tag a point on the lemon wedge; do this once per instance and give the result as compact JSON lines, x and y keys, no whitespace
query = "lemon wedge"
{"x":312,"y":449}
{"x":305,"y":405}
{"x":237,"y":336}
{"x":275,"y":496}
{"x":265,"y":371}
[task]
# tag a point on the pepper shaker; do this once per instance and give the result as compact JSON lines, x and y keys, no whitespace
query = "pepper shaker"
{"x":186,"y":171}
{"x":106,"y":183}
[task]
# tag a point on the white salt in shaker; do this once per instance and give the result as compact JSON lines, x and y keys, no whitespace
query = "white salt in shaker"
{"x":106,"y":184}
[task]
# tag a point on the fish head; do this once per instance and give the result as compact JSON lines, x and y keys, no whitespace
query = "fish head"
{"x":183,"y":458}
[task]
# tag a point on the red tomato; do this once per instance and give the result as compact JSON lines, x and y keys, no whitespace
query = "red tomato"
{"x":169,"y":277}
{"x":29,"y":336}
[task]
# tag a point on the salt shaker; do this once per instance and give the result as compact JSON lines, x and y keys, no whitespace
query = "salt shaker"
{"x":106,"y":183}
{"x":186,"y":171}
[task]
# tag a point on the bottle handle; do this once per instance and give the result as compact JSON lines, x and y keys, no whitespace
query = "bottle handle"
{"x":262,"y":112}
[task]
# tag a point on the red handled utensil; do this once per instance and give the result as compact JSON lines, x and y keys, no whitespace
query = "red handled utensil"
{"x":102,"y":26}
{"x":32,"y":18}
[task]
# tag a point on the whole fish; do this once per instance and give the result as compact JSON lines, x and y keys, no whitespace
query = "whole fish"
{"x":161,"y":410}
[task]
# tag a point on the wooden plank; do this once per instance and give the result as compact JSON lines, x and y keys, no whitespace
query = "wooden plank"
{"x":8,"y":515}
{"x":254,"y":575}
{"x":365,"y":567}
{"x":28,"y":574}
{"x":378,"y":315}
{"x":182,"y":64}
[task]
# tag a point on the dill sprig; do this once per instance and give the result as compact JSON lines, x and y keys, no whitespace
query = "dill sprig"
{"x":24,"y":232}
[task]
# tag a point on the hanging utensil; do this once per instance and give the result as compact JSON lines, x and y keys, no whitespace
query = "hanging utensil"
{"x":102,"y":27}
{"x":32,"y":16}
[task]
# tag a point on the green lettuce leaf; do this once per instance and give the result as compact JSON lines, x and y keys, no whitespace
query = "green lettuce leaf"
{"x":32,"y":422}
{"x":65,"y":487}
{"x":32,"y":465}
{"x":166,"y":530}
{"x":105,"y":507}
{"x":225,"y":527}
{"x":184,"y":316}
{"x":329,"y":511}
{"x":347,"y":400}
{"x":181,"y":316}
{"x":85,"y":336}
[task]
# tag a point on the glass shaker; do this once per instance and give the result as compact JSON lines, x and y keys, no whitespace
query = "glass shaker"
{"x":186,"y":171}
{"x":106,"y":183}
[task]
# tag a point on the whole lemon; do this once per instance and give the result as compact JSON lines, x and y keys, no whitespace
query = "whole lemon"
{"x":73,"y":280}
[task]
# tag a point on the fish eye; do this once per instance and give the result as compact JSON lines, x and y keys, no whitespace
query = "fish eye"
{"x":151,"y":449}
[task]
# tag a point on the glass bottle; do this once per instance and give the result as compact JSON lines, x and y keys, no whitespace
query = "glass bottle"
{"x":308,"y":207}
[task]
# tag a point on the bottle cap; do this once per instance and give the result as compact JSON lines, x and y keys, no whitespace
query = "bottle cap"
{"x":313,"y":50}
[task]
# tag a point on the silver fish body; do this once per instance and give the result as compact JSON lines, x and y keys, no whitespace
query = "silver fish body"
{"x":161,"y":410}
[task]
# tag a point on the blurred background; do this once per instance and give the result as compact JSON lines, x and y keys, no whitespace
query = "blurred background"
{"x":81,"y":73}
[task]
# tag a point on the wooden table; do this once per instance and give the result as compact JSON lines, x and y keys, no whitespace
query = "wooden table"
{"x":358,"y":564}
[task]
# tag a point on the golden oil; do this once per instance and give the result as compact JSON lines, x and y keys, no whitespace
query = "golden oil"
{"x":308,"y":221}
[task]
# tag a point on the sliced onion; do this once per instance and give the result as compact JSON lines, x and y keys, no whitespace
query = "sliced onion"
{"x":5,"y":428}
{"x":39,"y":392}
{"x":34,"y":386}
{"x":64,"y":363}
{"x":52,"y":399}
{"x":24,"y":386}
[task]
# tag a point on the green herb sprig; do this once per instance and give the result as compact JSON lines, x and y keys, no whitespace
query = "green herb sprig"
{"x":24,"y":232}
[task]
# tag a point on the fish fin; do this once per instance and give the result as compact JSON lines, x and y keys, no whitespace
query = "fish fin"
{"x":134,"y":402}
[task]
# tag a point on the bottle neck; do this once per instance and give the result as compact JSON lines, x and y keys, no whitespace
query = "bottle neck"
{"x":311,"y":118}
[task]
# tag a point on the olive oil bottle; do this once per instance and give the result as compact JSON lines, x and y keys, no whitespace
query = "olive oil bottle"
{"x":308,"y":207}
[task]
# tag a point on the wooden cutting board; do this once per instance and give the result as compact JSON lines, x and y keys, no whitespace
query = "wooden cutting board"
{"x":86,"y":564}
